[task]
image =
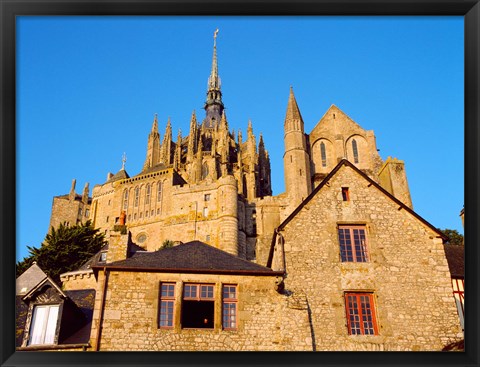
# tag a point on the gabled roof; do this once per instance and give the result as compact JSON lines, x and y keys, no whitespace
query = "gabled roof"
{"x":191,"y":257}
{"x":346,"y":163}
{"x":455,"y":259}
{"x":29,"y":279}
{"x":47,"y":280}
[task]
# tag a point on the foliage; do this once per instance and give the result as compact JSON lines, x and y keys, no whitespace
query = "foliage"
{"x":454,"y":238}
{"x":64,"y":249}
{"x":166,"y":244}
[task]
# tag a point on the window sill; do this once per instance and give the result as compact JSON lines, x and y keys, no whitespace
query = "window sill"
{"x":53,"y":347}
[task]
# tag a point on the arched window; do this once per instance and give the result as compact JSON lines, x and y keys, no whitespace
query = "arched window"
{"x":125,"y":199}
{"x":355,"y":151}
{"x":147,"y":194}
{"x":323,"y":154}
{"x":159,"y":191}
{"x":204,"y":171}
{"x":137,"y":196}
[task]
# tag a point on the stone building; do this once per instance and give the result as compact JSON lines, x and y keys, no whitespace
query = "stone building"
{"x":339,"y":261}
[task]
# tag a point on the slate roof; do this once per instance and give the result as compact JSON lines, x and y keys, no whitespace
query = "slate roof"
{"x":84,"y":299}
{"x":95,"y":259}
{"x":191,"y":257}
{"x":455,"y":259}
{"x":29,"y":279}
{"x":120,"y":175}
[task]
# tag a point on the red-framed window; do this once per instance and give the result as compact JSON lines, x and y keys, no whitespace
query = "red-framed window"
{"x":229,"y":306}
{"x":167,"y":302}
{"x":198,"y":305}
{"x":361,"y":318}
{"x":353,"y":243}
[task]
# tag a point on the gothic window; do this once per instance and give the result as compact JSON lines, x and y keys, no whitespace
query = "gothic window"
{"x":44,"y":324}
{"x":147,"y":194}
{"x":159,"y":191}
{"x":137,"y":196}
{"x":323,"y":154}
{"x":360,"y":311}
{"x":355,"y":151}
{"x":353,"y":246}
{"x":204,"y":171}
{"x":229,"y":307}
{"x":167,"y":302}
{"x":125,"y":199}
{"x":198,"y":306}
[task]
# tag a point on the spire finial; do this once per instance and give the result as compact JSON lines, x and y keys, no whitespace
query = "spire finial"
{"x":124,"y":160}
{"x":215,"y":38}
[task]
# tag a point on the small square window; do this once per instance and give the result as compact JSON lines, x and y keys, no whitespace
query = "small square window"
{"x":207,"y":197}
{"x":103,"y":256}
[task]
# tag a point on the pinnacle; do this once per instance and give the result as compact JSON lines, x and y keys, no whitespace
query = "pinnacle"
{"x":293,"y":112}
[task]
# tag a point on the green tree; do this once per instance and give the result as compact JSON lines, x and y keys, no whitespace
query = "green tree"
{"x":64,"y":249}
{"x":454,"y":238}
{"x":166,"y":244}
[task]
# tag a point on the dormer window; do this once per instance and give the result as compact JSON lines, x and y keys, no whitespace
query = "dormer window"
{"x":44,"y":324}
{"x":103,"y":257}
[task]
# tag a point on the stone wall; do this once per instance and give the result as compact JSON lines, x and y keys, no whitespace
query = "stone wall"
{"x":267,"y":319}
{"x":406,"y":271}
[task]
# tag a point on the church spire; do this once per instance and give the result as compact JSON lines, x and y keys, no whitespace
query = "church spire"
{"x":213,"y":104}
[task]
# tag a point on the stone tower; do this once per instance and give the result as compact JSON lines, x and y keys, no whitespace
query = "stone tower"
{"x":296,"y":158}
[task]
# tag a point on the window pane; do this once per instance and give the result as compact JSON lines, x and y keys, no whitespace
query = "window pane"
{"x":36,"y":332}
{"x":51,"y":325}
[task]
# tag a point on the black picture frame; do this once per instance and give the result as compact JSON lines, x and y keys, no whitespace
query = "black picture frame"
{"x":9,"y":9}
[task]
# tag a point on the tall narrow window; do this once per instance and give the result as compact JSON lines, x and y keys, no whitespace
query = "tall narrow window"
{"x":353,"y":243}
{"x":198,"y":306}
{"x":125,"y":199}
{"x":345,"y":194}
{"x":355,"y":151}
{"x":44,"y":324}
{"x":167,"y":300}
{"x":159,"y":191}
{"x":137,"y":196}
{"x":360,"y":310}
{"x":147,"y":194}
{"x":229,"y":295}
{"x":323,"y":154}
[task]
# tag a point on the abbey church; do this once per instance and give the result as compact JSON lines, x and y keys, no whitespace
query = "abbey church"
{"x":339,"y":261}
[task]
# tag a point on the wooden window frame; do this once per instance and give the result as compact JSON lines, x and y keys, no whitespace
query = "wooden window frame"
{"x":361,"y":316}
{"x":167,"y":300}
{"x":229,"y":304}
{"x":198,"y":296}
{"x":359,"y":251}
{"x":44,"y":325}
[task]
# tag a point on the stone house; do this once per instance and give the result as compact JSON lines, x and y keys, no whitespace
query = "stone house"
{"x":339,"y":261}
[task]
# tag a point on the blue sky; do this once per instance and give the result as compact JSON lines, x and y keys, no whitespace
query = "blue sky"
{"x":88,"y":88}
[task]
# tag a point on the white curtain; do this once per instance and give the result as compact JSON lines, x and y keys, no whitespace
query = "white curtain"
{"x":44,"y":324}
